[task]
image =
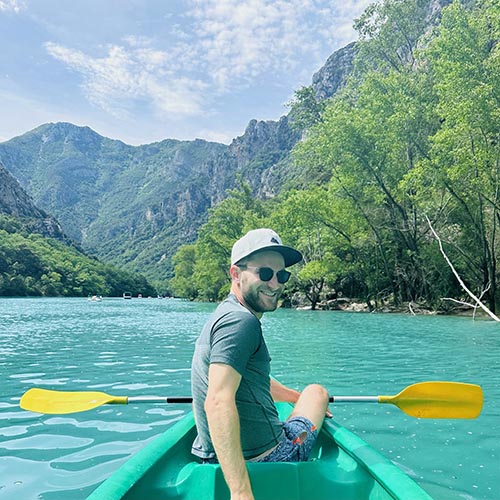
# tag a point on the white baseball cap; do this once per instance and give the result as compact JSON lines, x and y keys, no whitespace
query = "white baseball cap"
{"x":259,"y":240}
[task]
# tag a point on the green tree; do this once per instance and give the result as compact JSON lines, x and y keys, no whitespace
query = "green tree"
{"x":389,"y":33}
{"x":232,"y":218}
{"x":306,"y":109}
{"x":182,"y":283}
{"x":370,"y":137}
{"x":304,"y":220}
{"x":462,"y":169}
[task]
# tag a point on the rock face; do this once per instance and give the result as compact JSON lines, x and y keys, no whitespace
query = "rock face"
{"x":333,"y":75}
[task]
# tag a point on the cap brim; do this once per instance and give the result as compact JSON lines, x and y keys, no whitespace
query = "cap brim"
{"x":290,"y":255}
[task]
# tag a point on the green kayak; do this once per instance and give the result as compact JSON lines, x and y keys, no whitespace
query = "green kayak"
{"x":341,"y":467}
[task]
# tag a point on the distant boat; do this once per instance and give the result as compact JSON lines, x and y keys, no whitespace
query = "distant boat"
{"x":127,"y":295}
{"x":95,"y":298}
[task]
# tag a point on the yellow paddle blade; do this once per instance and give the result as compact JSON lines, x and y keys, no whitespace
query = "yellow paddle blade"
{"x":439,"y":400}
{"x":59,"y":402}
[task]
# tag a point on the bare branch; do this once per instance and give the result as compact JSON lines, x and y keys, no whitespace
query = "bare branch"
{"x":460,"y":302}
{"x":462,"y":284}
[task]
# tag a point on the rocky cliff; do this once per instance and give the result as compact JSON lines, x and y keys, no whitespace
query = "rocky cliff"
{"x":333,"y":75}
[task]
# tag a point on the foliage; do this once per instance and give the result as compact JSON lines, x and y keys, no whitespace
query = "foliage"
{"x":33,"y":265}
{"x":205,"y":274}
{"x":463,"y":166}
{"x":306,"y":109}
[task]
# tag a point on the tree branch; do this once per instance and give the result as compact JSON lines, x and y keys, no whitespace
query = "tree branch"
{"x":462,"y":284}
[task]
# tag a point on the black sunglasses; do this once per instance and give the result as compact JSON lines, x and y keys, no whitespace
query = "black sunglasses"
{"x":266,"y":273}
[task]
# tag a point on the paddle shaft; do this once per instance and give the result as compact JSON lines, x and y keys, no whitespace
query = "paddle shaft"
{"x":189,"y":399}
{"x":354,"y":399}
{"x":155,"y":399}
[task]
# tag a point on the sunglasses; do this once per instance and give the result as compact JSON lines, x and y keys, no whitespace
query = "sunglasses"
{"x":266,"y":274}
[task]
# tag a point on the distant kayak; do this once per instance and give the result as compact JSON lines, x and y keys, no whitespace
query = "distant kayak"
{"x":341,"y":467}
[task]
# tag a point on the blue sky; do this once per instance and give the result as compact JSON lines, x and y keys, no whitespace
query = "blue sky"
{"x":144,"y":71}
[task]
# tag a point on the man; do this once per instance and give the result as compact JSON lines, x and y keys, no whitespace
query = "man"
{"x":232,"y":390}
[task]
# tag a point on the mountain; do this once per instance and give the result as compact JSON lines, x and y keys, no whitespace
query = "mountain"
{"x":37,"y":258}
{"x":134,"y":206}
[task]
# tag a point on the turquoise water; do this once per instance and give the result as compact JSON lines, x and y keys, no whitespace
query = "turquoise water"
{"x":143,"y":347}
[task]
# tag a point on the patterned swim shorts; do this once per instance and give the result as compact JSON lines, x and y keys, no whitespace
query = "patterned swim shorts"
{"x":300,"y":436}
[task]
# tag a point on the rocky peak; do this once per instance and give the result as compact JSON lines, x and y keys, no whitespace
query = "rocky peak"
{"x":263,"y":136}
{"x":333,"y":75}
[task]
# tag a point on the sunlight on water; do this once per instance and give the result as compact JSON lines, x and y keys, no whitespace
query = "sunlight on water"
{"x":144,"y":347}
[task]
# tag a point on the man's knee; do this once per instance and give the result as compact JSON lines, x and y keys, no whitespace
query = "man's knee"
{"x":317,"y":391}
{"x":312,"y":404}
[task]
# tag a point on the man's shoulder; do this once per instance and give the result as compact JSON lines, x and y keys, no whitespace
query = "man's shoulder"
{"x":231,"y":316}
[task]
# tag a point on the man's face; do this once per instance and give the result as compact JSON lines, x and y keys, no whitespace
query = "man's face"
{"x":261,"y":296}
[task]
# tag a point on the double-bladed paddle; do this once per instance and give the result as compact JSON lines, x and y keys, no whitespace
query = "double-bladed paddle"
{"x":421,"y":400}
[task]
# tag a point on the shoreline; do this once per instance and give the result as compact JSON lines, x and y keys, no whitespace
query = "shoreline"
{"x":341,"y":304}
{"x":410,"y":308}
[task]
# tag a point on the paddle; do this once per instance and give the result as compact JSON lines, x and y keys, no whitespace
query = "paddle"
{"x":422,"y":400}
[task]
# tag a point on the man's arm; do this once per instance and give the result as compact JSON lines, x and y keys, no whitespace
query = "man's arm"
{"x":279,"y":392}
{"x":224,"y":427}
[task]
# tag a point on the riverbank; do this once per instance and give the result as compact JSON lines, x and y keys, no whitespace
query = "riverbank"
{"x":413,"y":308}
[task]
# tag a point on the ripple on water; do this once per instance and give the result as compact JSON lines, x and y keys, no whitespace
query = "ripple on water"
{"x":46,"y":442}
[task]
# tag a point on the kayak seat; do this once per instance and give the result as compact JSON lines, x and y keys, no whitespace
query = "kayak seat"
{"x":329,"y":470}
{"x":314,"y":480}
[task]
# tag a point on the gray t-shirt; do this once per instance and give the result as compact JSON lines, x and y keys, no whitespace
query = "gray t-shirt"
{"x":233,"y":336}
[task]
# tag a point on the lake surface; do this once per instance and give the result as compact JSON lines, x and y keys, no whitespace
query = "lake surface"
{"x":144,"y":347}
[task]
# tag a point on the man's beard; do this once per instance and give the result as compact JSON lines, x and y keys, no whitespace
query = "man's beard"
{"x":253,"y":299}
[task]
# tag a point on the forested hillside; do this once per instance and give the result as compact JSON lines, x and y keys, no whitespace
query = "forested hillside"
{"x":37,"y":258}
{"x":34,"y":265}
{"x":413,"y":138}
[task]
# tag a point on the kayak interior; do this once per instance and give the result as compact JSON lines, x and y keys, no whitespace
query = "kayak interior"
{"x":341,"y":466}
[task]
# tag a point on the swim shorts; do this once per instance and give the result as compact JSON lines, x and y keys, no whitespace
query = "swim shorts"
{"x":300,"y":436}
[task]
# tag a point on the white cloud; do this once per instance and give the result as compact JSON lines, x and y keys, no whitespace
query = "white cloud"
{"x":12,"y":5}
{"x":225,"y":45}
{"x":243,"y":39}
{"x":132,"y":73}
